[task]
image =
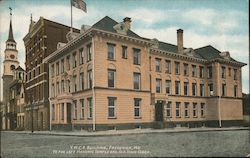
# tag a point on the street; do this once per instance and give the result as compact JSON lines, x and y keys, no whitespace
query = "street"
{"x":194,"y":144}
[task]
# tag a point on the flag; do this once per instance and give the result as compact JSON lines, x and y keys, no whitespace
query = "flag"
{"x":80,"y":4}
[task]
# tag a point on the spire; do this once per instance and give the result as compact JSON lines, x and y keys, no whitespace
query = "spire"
{"x":11,"y":37}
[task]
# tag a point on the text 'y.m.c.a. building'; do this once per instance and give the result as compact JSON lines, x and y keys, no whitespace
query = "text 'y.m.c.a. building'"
{"x":108,"y":77}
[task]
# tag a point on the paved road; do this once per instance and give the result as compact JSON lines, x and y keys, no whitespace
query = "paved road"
{"x":195,"y":144}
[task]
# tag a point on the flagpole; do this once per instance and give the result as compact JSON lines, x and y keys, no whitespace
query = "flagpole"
{"x":71,"y":29}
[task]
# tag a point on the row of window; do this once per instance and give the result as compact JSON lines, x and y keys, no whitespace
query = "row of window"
{"x":158,"y":68}
{"x":112,"y":54}
{"x":111,"y":108}
{"x":61,"y":88}
{"x":194,"y":88}
{"x":72,"y":61}
{"x":187,"y":109}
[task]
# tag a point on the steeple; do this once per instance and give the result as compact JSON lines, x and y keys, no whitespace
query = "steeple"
{"x":11,"y":37}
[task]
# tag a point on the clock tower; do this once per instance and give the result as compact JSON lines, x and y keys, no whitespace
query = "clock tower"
{"x":10,"y":62}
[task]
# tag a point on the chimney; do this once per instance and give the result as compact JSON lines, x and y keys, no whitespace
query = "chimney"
{"x":180,"y":41}
{"x":127,"y":22}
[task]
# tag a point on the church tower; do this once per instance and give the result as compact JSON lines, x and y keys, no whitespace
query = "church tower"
{"x":10,"y":62}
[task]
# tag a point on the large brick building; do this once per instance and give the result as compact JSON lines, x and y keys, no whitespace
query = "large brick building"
{"x":108,"y":77}
{"x":40,"y":41}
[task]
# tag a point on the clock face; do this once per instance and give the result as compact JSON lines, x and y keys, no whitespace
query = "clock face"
{"x":12,"y":56}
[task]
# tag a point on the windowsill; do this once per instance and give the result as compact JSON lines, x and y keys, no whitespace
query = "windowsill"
{"x":186,"y":116}
{"x":138,"y":117}
{"x":111,"y":59}
{"x":89,"y":118}
{"x":74,"y":119}
{"x":124,"y":58}
{"x":81,"y":118}
{"x":195,"y":116}
{"x":158,"y":71}
{"x":169,"y":117}
{"x":177,"y":74}
{"x":178,"y":117}
{"x":136,"y":64}
{"x":112,"y":117}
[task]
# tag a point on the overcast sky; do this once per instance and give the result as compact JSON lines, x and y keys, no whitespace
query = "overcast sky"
{"x":220,"y":23}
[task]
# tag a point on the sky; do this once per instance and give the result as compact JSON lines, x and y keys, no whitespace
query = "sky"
{"x":220,"y":23}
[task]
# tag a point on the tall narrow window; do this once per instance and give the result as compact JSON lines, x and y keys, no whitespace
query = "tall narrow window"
{"x":81,"y":54}
{"x":229,"y":71}
{"x":137,"y":80}
{"x":169,"y":109}
{"x":158,"y":85}
{"x":52,"y":90}
{"x":177,"y":68}
{"x":57,"y":68}
{"x":74,"y":60}
{"x":111,"y":107}
{"x":186,"y":88}
{"x":111,"y":51}
{"x":57,"y":88}
{"x":177,"y":87}
{"x":62,"y":66}
{"x":201,"y":72}
{"x":111,"y":78}
{"x":62,"y":86}
{"x":223,"y":89}
{"x":194,"y":109}
{"x":68,"y":62}
{"x":223,"y":72}
{"x":194,"y":71}
{"x":157,"y":65}
{"x":185,"y":69}
{"x":210,"y":88}
{"x":82,"y":109}
{"x":89,"y":52}
{"x":75,"y":83}
{"x":68,"y":86}
{"x":53,"y":112}
{"x":62,"y":111}
{"x":235,"y":90}
{"x":89,"y":107}
{"x":75,"y":109}
{"x":81,"y":81}
{"x":209,"y":72}
{"x":124,"y":52}
{"x":194,"y":89}
{"x":201,"y":89}
{"x":168,"y":66}
{"x":202,"y":109}
{"x":52,"y":71}
{"x":235,"y":74}
{"x":168,"y":86}
{"x":137,"y":56}
{"x":186,"y":109}
{"x":137,"y":107}
{"x":90,"y":79}
{"x":178,"y":109}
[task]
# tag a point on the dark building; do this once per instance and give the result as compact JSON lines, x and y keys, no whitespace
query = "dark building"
{"x":40,"y":41}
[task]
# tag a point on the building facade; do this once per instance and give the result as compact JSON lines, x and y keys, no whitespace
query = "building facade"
{"x":40,"y":41}
{"x":10,"y":63}
{"x":108,"y":77}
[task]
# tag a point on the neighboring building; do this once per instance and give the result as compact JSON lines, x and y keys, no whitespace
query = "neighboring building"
{"x":16,"y":100}
{"x":10,"y":63}
{"x":40,"y":41}
{"x":108,"y":77}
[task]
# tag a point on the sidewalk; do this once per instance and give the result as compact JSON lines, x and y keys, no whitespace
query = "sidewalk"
{"x":84,"y":133}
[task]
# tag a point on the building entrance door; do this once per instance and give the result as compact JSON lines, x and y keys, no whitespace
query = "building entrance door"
{"x":159,"y":111}
{"x":68,"y":113}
